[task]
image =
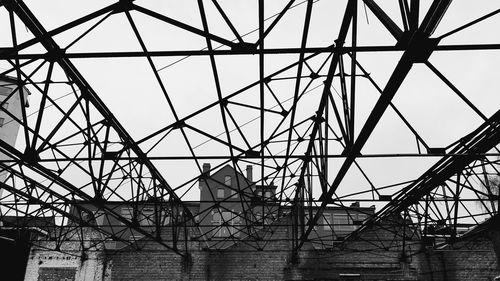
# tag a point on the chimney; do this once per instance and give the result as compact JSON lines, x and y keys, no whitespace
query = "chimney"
{"x":206,"y":169}
{"x":205,"y":174}
{"x":250,"y":173}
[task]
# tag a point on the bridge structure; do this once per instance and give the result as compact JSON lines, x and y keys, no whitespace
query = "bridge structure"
{"x":393,"y":105}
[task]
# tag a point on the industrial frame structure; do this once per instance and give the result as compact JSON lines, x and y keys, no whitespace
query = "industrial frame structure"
{"x":86,"y":155}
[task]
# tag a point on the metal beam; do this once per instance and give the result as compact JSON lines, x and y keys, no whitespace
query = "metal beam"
{"x":23,"y":12}
{"x":391,"y":26}
{"x":418,"y":49}
{"x":348,"y":15}
{"x":469,"y":149}
{"x":26,"y":16}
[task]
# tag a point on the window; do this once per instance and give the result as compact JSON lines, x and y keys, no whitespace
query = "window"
{"x":147,"y":216}
{"x":327,"y":221}
{"x":225,"y":222}
{"x":5,"y":91}
{"x":268,"y":194}
{"x":316,"y":226}
{"x":135,"y":237}
{"x":99,"y":217}
{"x":357,"y":219}
{"x":342,"y":222}
{"x":216,"y":218}
{"x":234,"y":194}
{"x":227,"y":180}
{"x":361,"y":217}
{"x":87,"y":216}
{"x":259,"y":193}
{"x":306,"y":219}
{"x":165,"y":217}
{"x":258,"y":217}
{"x":110,"y":244}
{"x":127,"y":213}
{"x":265,"y":219}
{"x":235,"y":221}
{"x":220,"y":192}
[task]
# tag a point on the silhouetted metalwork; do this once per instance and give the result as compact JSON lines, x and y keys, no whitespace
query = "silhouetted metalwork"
{"x":76,"y":163}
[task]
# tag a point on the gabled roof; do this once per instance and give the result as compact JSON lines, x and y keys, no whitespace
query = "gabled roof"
{"x":227,"y":166}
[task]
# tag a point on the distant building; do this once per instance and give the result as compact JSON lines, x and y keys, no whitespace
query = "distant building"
{"x":228,"y":199}
{"x":231,"y":207}
{"x":154,"y":216}
{"x":337,"y":222}
{"x":231,"y":192}
{"x":11,"y":103}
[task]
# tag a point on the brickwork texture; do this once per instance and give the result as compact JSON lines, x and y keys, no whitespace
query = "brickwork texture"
{"x":473,"y":259}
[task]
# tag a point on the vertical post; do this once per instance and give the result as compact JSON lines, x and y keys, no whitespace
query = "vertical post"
{"x":354,"y":30}
{"x":301,"y":201}
{"x":174,"y":223}
{"x":457,"y":192}
{"x":324,"y":174}
{"x":414,"y":14}
{"x":426,"y":226}
{"x":186,"y":234}
{"x":310,"y":194}
{"x":403,"y":250}
{"x":295,"y":236}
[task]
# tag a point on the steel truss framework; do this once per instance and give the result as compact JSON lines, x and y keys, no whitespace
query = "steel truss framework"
{"x":306,"y":137}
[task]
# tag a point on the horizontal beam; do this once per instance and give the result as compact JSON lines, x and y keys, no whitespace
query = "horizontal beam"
{"x":6,"y":53}
{"x":218,"y":157}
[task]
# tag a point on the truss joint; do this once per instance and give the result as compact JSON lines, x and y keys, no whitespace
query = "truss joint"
{"x":244,"y":47}
{"x":252,"y":153}
{"x":179,"y":124}
{"x":124,"y":6}
{"x":314,"y":75}
{"x":111,"y":155}
{"x":31,"y":156}
{"x":55,"y":54}
{"x":424,"y":48}
{"x":318,"y":118}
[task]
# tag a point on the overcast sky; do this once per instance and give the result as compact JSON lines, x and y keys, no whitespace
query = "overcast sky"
{"x":130,"y":90}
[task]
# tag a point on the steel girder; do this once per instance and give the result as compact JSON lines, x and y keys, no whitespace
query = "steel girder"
{"x":158,"y":187}
{"x":466,"y":157}
{"x":295,"y":145}
{"x":418,"y":48}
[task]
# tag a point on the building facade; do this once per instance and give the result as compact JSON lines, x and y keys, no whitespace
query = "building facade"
{"x":213,"y":255}
{"x":233,"y":206}
{"x":13,"y":100}
{"x":15,"y":232}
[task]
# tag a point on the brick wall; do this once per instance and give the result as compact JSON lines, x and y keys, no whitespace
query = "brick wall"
{"x":88,"y":265}
{"x":384,"y":259}
{"x":244,"y":262}
{"x":46,"y":265}
{"x":473,"y":259}
{"x":376,"y":254}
